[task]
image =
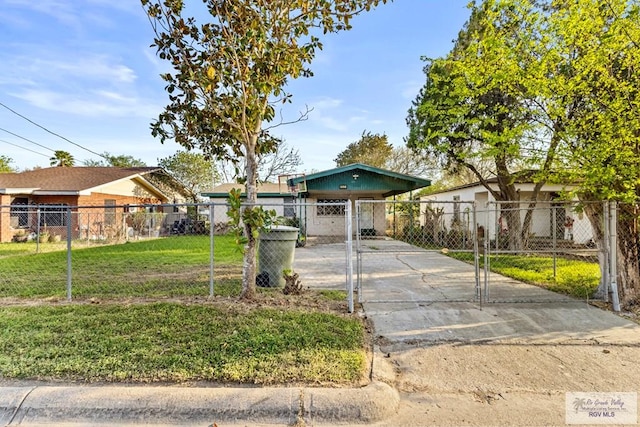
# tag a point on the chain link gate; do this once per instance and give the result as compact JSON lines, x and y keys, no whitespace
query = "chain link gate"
{"x":549,"y":244}
{"x":417,"y":252}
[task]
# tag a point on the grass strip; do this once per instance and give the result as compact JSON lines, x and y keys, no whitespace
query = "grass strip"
{"x":180,"y":342}
{"x":572,"y":277}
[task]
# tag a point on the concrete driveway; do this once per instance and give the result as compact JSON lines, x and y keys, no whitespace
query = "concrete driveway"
{"x":420,"y":296}
{"x":457,"y":362}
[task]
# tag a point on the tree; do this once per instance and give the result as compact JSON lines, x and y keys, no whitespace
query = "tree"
{"x":192,"y":169}
{"x":5,"y":165}
{"x":474,"y":111}
{"x":599,"y":60}
{"x":230,"y":74}
{"x":62,"y":159}
{"x":567,"y":76}
{"x":119,"y":161}
{"x":282,"y":161}
{"x":370,"y":149}
{"x":407,"y":161}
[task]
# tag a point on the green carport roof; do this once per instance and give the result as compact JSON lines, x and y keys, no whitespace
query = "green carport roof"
{"x":360,"y":177}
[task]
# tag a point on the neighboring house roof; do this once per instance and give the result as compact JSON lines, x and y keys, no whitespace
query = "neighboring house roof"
{"x":522,"y":179}
{"x":71,"y":180}
{"x":360,"y":177}
{"x":265,"y":189}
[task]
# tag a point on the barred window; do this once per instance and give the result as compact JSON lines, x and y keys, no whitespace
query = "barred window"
{"x":109,"y":211}
{"x":331,"y":210}
{"x":53,"y":215}
{"x":20,"y":212}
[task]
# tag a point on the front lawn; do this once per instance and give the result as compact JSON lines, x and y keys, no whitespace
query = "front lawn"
{"x":167,"y":267}
{"x":573,"y":277}
{"x":222,"y":342}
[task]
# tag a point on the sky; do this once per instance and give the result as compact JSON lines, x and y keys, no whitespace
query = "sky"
{"x":84,"y":70}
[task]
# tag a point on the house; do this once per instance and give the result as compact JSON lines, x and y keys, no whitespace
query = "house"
{"x":553,"y":217}
{"x":308,"y":197}
{"x":99,"y":197}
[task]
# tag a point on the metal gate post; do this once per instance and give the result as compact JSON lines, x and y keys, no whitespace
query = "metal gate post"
{"x":487,"y":247}
{"x":349,"y":249}
{"x":476,"y":254}
{"x":358,"y":253}
{"x":613,"y":253}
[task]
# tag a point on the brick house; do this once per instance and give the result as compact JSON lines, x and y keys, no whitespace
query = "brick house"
{"x":98,"y":197}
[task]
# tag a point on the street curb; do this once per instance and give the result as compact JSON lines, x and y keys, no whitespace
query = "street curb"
{"x":202,"y":405}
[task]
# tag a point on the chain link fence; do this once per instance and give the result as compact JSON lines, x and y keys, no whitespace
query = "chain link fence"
{"x":125,"y":252}
{"x":186,"y":251}
{"x":550,"y":244}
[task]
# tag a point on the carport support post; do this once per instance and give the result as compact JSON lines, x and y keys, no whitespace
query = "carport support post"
{"x":69,"y":253}
{"x":349,"y":244}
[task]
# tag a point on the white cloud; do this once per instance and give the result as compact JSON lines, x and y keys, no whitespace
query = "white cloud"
{"x":91,"y":104}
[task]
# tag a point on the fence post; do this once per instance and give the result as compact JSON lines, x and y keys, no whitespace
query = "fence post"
{"x":613,"y":254}
{"x":358,"y":253}
{"x":38,"y":229}
{"x":69,"y":266}
{"x":554,"y":240}
{"x":211,"y":250}
{"x":348,"y":244}
{"x":476,"y":252}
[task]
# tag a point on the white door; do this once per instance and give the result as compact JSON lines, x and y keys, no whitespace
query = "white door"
{"x":366,"y":215}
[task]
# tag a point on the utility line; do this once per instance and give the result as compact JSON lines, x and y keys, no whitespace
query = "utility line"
{"x":26,"y":139}
{"x":51,"y":132}
{"x":16,"y":145}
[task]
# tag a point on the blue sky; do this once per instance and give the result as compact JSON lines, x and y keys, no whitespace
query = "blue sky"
{"x":84,"y":70}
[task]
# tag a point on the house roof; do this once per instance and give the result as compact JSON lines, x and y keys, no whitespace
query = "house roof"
{"x":68,"y":180}
{"x":354,"y":178}
{"x":265,"y":189}
{"x":358,"y":177}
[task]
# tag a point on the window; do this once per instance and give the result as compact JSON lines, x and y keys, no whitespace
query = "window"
{"x":109,"y":212}
{"x":53,"y":215}
{"x":19,"y":212}
{"x":333,"y":209}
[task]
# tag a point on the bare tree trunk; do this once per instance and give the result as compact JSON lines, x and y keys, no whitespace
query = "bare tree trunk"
{"x":595,"y":215}
{"x":249,"y":259}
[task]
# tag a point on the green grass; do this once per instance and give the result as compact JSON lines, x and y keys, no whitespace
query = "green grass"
{"x":179,"y":342}
{"x":175,"y":266}
{"x":573,"y":277}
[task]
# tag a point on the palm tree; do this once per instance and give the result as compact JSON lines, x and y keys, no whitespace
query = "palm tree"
{"x":62,"y":158}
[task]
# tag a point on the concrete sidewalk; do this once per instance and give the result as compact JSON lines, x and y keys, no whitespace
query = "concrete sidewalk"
{"x":177,"y":405}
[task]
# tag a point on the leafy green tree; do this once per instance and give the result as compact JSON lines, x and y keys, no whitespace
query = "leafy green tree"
{"x":5,"y":165}
{"x":599,"y":62}
{"x":550,"y":86}
{"x":474,"y":112}
{"x":370,"y":149}
{"x":119,"y":161}
{"x":62,"y":159}
{"x":230,"y":74}
{"x":193,"y":170}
